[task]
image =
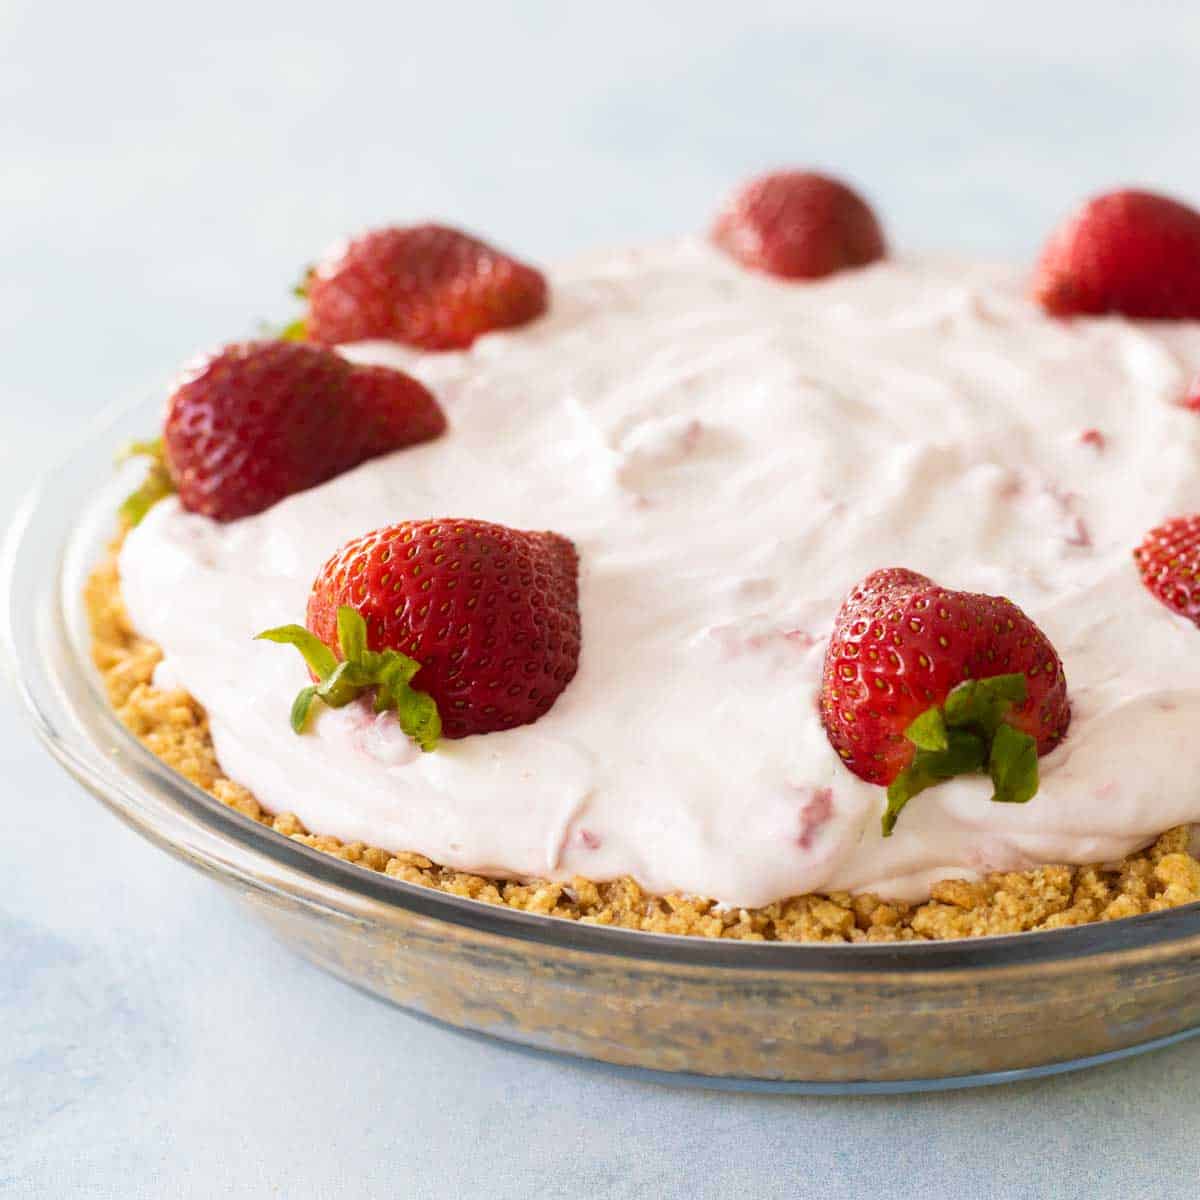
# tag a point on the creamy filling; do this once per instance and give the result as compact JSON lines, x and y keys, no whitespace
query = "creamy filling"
{"x":731,"y":454}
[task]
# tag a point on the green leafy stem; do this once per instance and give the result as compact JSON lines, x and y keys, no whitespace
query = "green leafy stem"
{"x":969,"y":734}
{"x":297,"y":330}
{"x":157,"y":485}
{"x":360,"y":670}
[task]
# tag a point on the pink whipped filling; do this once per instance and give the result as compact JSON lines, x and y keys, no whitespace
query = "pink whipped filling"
{"x":730,"y":454}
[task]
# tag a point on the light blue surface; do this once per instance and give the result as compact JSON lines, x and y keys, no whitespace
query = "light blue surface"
{"x":167,"y":171}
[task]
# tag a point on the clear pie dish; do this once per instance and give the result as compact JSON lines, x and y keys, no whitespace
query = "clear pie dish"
{"x":773,"y":1016}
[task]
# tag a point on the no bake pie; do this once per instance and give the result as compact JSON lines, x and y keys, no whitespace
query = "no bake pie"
{"x":765,"y":584}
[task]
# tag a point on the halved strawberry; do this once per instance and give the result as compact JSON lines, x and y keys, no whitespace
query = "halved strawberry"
{"x":258,"y":421}
{"x":1169,"y":562}
{"x":798,"y":225}
{"x":1130,"y":252}
{"x":425,"y":285}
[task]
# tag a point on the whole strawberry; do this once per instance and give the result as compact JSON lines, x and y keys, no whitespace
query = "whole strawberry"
{"x":798,"y":225}
{"x":1169,"y":562}
{"x":258,"y":421}
{"x":484,"y":619}
{"x":425,"y":285}
{"x":922,"y":683}
{"x":1129,"y":252}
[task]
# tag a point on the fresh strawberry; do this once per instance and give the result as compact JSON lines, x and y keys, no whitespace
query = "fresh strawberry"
{"x":426,"y":285}
{"x":393,"y":410}
{"x":484,"y":619}
{"x":1169,"y":560}
{"x":258,"y":421}
{"x":1135,"y":253}
{"x":798,"y":225}
{"x":922,"y":683}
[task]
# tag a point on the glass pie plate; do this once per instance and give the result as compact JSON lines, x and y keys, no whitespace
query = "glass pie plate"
{"x":781,"y":1017}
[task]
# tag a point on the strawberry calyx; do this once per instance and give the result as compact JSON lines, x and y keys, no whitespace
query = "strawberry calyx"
{"x":965,"y":735}
{"x":297,"y":330}
{"x":360,"y":670}
{"x":300,"y":287}
{"x":157,"y":485}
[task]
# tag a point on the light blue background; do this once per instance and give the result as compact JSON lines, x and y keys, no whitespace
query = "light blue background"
{"x":165,"y":172}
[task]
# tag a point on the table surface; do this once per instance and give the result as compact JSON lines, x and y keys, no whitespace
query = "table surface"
{"x":170,"y":170}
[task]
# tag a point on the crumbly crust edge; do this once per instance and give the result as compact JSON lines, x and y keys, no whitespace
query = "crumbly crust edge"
{"x":173,"y":725}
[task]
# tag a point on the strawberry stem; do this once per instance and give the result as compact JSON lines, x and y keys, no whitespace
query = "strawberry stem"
{"x":297,"y":330}
{"x":157,"y":485}
{"x":388,"y":672}
{"x":300,"y":287}
{"x":1013,"y":766}
{"x":968,"y":734}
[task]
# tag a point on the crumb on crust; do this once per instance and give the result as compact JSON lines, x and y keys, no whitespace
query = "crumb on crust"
{"x":174,"y":727}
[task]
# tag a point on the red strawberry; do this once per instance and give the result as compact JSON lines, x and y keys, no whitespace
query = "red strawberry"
{"x":1169,"y":560}
{"x":426,"y":285}
{"x":798,"y":225}
{"x":258,"y":421}
{"x":483,"y":618}
{"x":1129,"y":252}
{"x":921,"y":683}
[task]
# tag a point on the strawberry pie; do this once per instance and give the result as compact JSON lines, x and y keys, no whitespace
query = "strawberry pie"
{"x":765,"y":583}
